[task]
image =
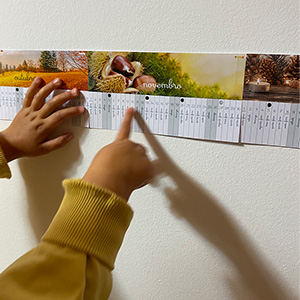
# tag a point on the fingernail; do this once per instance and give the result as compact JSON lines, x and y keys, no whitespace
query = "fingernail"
{"x":74,"y":92}
{"x":69,"y":137}
{"x":56,"y":81}
{"x":37,"y":79}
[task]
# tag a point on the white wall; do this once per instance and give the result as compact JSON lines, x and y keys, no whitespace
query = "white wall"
{"x":243,"y":234}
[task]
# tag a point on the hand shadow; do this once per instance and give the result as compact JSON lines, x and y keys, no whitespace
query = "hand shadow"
{"x":43,"y":178}
{"x":203,"y":212}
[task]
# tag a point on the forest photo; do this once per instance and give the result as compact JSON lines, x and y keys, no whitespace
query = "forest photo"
{"x":19,"y":68}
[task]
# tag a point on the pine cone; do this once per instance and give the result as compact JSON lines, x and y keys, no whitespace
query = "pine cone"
{"x":292,"y":71}
{"x":267,"y":70}
{"x":272,"y":68}
{"x":295,"y":84}
{"x":252,"y":66}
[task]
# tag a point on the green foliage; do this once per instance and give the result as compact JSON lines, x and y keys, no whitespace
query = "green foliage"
{"x":48,"y":61}
{"x":91,"y":83}
{"x":163,"y":68}
{"x":25,"y":65}
{"x":91,"y":79}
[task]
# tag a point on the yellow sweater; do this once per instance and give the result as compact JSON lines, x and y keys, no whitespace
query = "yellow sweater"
{"x":77,"y":253}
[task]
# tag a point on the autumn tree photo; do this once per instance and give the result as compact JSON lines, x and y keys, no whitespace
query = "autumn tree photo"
{"x":72,"y":60}
{"x":19,"y":68}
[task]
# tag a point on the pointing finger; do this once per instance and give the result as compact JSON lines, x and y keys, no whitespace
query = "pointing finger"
{"x":125,"y":129}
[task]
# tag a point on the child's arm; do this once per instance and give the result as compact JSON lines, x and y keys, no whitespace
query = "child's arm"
{"x":77,"y":253}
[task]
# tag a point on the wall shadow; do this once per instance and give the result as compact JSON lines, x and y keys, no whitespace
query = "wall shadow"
{"x":43,"y":175}
{"x":117,"y":291}
{"x":204,"y":213}
{"x":43,"y":178}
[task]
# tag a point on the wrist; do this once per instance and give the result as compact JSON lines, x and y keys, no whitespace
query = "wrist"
{"x":110,"y":183}
{"x":7,"y":147}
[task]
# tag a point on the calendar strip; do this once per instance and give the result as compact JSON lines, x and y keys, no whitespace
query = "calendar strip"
{"x":271,"y":99}
{"x":267,"y":123}
{"x":248,"y":98}
{"x":196,"y":118}
{"x":259,"y":122}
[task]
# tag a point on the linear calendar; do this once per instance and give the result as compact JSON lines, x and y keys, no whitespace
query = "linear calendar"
{"x":269,"y":123}
{"x":211,"y":119}
{"x":247,"y":98}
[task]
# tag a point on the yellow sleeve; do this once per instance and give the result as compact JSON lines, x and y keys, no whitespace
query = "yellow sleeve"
{"x":77,"y":253}
{"x":4,"y":168}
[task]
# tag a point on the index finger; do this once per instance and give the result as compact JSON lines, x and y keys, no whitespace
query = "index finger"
{"x":125,"y":129}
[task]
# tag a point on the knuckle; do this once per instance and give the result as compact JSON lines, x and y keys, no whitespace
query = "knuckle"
{"x":69,"y":94}
{"x":59,"y":115}
{"x":73,"y":110}
{"x":25,"y":112}
{"x":65,"y":96}
{"x":67,"y":112}
{"x":50,"y":104}
{"x":49,"y":86}
{"x":40,"y":128}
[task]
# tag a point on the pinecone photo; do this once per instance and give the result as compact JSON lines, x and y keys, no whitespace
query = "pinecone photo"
{"x":272,"y":77}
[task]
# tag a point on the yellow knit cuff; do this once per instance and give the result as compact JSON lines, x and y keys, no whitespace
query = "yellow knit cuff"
{"x":4,"y":168}
{"x":90,"y":219}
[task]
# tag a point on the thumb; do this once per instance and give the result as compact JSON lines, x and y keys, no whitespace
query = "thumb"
{"x":56,"y":143}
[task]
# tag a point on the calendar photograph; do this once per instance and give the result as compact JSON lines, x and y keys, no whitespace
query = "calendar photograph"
{"x":272,"y":78}
{"x":19,"y":68}
{"x":216,"y":76}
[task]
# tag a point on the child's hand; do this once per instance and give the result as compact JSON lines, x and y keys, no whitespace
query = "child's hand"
{"x":121,"y":166}
{"x":28,"y":134}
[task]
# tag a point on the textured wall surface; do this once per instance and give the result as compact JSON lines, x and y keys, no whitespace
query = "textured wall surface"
{"x":224,"y":222}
